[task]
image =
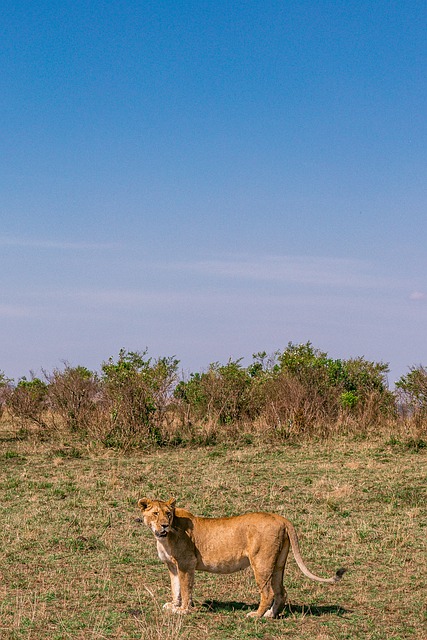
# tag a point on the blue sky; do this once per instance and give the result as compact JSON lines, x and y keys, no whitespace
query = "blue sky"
{"x":212,"y":179}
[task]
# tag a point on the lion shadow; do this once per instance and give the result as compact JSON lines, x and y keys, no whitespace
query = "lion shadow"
{"x":317,"y":611}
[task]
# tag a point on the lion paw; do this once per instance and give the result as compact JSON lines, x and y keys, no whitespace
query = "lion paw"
{"x":176,"y":608}
{"x":170,"y":606}
{"x":183,"y":611}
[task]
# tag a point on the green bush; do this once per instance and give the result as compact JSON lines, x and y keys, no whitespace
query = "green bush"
{"x":299,"y":390}
{"x":349,"y":400}
{"x":319,"y":375}
{"x":137,"y":391}
{"x":135,"y":400}
{"x":222,"y":394}
{"x":351,"y":381}
{"x":412,"y":391}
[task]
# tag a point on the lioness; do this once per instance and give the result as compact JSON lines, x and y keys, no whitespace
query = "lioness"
{"x":186,"y":543}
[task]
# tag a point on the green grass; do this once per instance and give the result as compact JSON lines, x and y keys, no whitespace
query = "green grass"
{"x":75,"y":564}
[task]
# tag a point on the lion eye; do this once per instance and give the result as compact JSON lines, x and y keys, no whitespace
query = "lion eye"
{"x":155,"y":513}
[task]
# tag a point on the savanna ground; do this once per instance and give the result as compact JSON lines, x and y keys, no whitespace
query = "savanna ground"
{"x":75,"y":564}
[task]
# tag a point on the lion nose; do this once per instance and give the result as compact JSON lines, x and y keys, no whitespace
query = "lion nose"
{"x":165,"y":526}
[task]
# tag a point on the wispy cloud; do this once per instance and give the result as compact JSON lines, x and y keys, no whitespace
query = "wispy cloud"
{"x":127,"y":297}
{"x":38,"y":243}
{"x":303,"y":270}
{"x":302,"y":280}
{"x":177,"y":300}
{"x":417,"y":295}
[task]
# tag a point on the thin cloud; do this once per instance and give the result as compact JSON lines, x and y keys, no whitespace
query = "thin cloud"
{"x":127,"y":297}
{"x":135,"y":298}
{"x":182,"y":300}
{"x":332,"y":272}
{"x":417,"y":295}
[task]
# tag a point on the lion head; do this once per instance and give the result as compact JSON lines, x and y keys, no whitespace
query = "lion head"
{"x":158,"y":515}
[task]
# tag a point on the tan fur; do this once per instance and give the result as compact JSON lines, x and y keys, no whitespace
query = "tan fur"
{"x":187,"y":543}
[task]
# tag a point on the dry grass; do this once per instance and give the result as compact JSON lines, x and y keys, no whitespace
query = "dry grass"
{"x":74,"y":564}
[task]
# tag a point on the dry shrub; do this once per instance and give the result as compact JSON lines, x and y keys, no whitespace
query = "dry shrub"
{"x":292,"y":411}
{"x":299,"y":393}
{"x":411,"y":393}
{"x":5,"y":391}
{"x":375,"y":414}
{"x":75,"y":396}
{"x":28,"y":402}
{"x":183,"y":428}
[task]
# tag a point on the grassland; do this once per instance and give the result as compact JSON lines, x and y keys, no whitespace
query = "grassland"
{"x":74,"y":563}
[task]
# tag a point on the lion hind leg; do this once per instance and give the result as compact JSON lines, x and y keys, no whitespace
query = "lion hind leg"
{"x":275,"y":581}
{"x":266,"y":602}
{"x":280,"y":595}
{"x":279,"y":600}
{"x":263,"y":579}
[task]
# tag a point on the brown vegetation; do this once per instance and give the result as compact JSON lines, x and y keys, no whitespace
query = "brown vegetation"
{"x":136,"y":401}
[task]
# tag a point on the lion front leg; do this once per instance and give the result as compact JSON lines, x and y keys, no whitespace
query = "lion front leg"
{"x":175,"y":588}
{"x":186,"y":582}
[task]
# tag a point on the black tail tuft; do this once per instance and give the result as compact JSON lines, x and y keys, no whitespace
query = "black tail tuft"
{"x":339,"y":574}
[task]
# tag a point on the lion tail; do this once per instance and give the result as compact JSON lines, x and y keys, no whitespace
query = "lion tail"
{"x":300,"y":562}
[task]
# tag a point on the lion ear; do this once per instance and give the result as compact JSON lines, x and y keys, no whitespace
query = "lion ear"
{"x":144,"y":503}
{"x":172,"y":503}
